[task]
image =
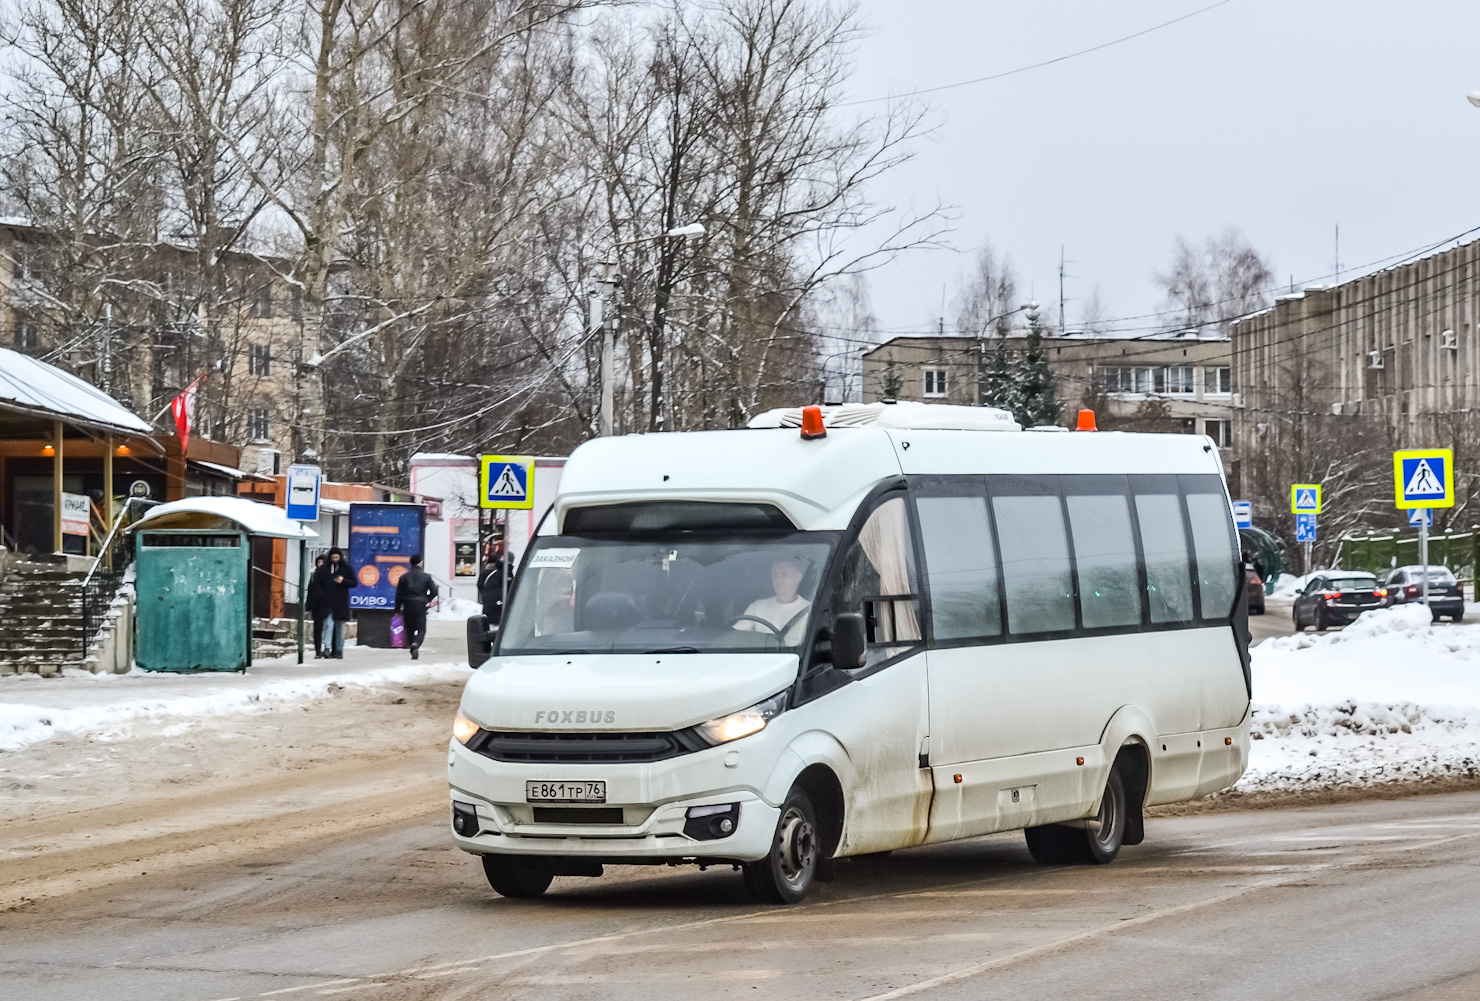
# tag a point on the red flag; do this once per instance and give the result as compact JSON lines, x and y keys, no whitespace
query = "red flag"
{"x":183,"y":408}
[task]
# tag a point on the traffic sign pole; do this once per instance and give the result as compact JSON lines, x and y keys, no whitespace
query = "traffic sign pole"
{"x":1423,"y":559}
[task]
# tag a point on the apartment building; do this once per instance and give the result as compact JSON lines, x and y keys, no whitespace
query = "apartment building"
{"x":135,"y":323}
{"x":1164,"y":382}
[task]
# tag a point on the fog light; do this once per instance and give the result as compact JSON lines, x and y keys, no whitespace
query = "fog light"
{"x":706,"y":823}
{"x":465,"y":819}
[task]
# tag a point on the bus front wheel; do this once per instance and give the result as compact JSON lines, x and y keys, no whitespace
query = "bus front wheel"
{"x":511,"y":876}
{"x":786,"y":874}
{"x":1095,"y":843}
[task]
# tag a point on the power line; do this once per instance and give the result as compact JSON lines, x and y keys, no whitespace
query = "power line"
{"x":1038,"y":65}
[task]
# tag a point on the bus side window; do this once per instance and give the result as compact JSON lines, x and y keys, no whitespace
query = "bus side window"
{"x":1105,"y":555}
{"x":1035,"y":563}
{"x":1164,"y":542}
{"x":960,"y":567}
{"x":1216,"y":574}
{"x":878,"y":579}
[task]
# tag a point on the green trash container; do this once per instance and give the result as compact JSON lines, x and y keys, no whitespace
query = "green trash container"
{"x":194,"y":606}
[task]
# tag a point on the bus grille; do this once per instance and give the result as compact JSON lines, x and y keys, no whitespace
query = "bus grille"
{"x":583,"y":747}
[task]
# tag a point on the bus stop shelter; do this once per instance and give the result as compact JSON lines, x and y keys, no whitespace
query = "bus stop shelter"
{"x":194,"y":580}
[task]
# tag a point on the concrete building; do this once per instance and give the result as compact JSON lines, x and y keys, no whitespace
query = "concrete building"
{"x":132,"y":323}
{"x":1166,"y":382}
{"x":1333,"y":378}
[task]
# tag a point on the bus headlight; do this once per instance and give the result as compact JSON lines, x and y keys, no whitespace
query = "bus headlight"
{"x":743,"y":723}
{"x":463,"y":729}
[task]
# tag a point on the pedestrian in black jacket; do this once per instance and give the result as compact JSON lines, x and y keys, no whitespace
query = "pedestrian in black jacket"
{"x":314,"y":605}
{"x":491,"y":584}
{"x":334,"y":579}
{"x":414,"y":591}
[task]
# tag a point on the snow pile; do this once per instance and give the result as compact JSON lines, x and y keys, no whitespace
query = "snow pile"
{"x":452,"y":607}
{"x":1390,"y":698}
{"x":1286,"y":586}
{"x":106,"y":705}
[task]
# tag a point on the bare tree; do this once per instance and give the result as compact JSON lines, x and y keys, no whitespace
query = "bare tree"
{"x":1208,"y":285}
{"x":986,"y":294}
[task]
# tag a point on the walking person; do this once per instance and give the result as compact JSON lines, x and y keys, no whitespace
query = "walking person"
{"x":335,"y":578}
{"x":414,"y":591}
{"x":491,"y":583}
{"x":315,"y":605}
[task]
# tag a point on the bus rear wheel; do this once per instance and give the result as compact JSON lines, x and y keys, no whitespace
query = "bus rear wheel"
{"x":511,"y":876}
{"x":786,"y":874}
{"x":1095,"y":843}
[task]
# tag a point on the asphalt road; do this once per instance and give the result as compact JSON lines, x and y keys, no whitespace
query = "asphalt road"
{"x":1355,"y":901}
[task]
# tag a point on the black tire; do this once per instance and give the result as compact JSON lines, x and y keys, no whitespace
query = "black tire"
{"x":1256,"y":609}
{"x":1458,"y":616}
{"x":1299,"y":626}
{"x":520,"y":878}
{"x":1096,"y":843}
{"x":1321,"y":624}
{"x":786,"y":874}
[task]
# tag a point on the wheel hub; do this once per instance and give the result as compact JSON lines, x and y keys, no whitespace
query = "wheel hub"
{"x":796,"y":848}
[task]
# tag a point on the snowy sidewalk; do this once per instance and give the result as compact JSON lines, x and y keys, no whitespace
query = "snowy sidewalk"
{"x":35,"y":709}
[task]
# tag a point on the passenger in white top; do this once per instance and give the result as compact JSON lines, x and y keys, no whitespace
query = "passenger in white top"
{"x":787,"y":606}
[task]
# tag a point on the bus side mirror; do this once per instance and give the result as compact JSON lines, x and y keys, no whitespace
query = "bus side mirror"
{"x":480,"y":640}
{"x":849,"y":641}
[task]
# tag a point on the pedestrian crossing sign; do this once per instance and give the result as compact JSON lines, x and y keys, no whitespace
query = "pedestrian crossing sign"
{"x":503,"y":482}
{"x":1305,"y":498}
{"x":1423,"y":477}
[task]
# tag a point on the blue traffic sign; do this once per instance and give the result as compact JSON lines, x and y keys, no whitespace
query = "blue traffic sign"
{"x":1420,"y":517}
{"x":303,"y":492}
{"x":1423,"y":477}
{"x":1243,"y":514}
{"x":1305,"y":528}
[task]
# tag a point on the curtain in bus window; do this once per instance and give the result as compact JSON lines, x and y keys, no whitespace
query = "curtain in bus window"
{"x":1168,"y":580}
{"x":1105,"y":556}
{"x":1216,"y":576}
{"x":961,"y":567}
{"x":885,"y":539}
{"x":1035,"y":563}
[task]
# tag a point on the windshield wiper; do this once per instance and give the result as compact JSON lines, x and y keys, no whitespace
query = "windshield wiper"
{"x":676,"y":649}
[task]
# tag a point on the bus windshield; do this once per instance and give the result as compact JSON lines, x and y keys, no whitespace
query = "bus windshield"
{"x":684,"y":593}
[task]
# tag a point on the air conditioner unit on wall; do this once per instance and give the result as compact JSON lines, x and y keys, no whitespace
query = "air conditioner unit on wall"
{"x":1448,"y":341}
{"x":1374,"y":359}
{"x":269,"y":461}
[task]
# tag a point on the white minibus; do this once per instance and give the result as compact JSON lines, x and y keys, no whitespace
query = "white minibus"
{"x":854,"y":629}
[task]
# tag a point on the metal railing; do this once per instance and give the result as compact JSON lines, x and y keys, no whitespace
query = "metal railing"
{"x":101,"y":584}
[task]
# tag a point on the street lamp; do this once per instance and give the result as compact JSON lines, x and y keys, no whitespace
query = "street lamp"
{"x":605,"y":285}
{"x":1474,"y":97}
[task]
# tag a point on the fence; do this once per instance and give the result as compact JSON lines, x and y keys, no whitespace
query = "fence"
{"x":1377,"y":554}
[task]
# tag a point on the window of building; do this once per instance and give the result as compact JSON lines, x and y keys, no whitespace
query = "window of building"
{"x":26,"y":337}
{"x":1142,"y":379}
{"x":960,"y":567}
{"x":1216,"y":574}
{"x":1220,"y":431}
{"x":259,"y":359}
{"x":260,"y":304}
{"x":257,"y":425}
{"x":1105,"y":555}
{"x":935,"y":382}
{"x":1180,"y":379}
{"x":1217,"y":379}
{"x":1035,"y":563}
{"x":1164,"y":541}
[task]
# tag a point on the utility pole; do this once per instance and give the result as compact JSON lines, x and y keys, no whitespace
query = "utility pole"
{"x":1061,"y":290}
{"x":605,"y":285}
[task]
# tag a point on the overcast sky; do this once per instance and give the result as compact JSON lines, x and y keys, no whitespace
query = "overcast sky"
{"x":1281,"y":118}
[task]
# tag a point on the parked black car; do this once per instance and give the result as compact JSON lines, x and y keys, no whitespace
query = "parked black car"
{"x":1446,"y":596}
{"x":1335,"y":597}
{"x":1255,"y":590}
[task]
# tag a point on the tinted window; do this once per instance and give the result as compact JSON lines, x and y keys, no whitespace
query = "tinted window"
{"x":960,"y":566}
{"x":1168,"y":580}
{"x":1351,"y":583}
{"x":1105,"y":555}
{"x":1211,"y":542}
{"x":1035,"y":563}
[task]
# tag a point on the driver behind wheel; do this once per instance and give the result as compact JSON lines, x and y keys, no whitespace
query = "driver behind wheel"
{"x":786,"y":609}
